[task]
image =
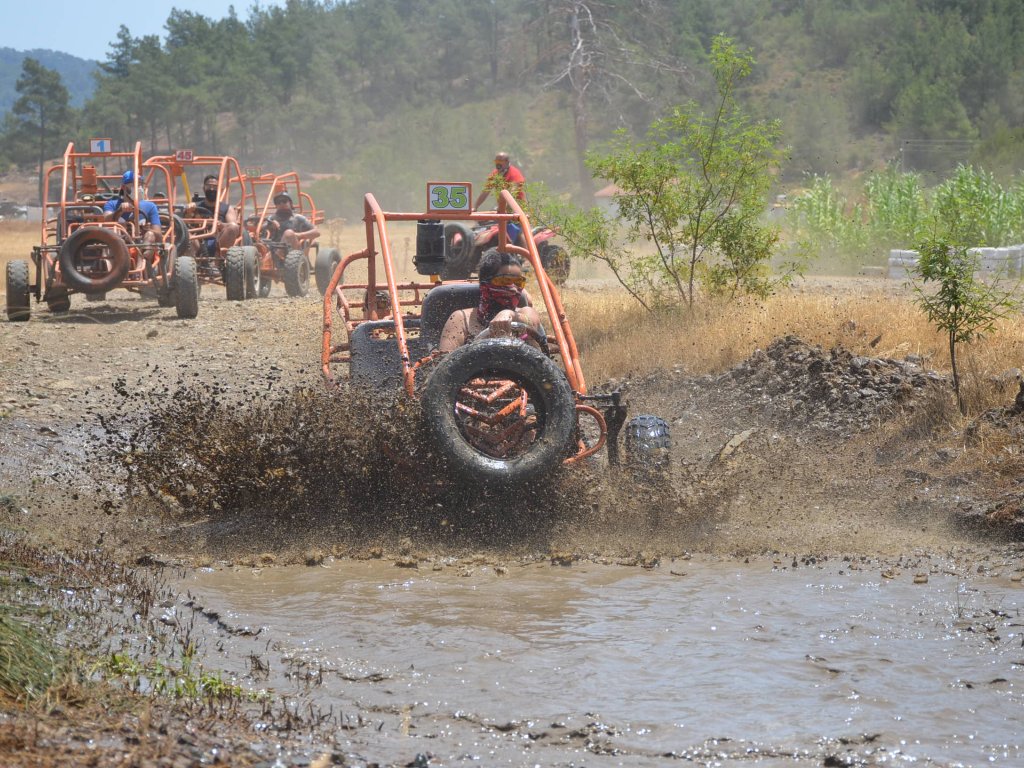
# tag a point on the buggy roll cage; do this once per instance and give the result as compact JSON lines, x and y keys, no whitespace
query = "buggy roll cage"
{"x":285,"y":182}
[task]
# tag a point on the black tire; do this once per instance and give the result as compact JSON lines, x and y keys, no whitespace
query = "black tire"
{"x":547,"y":391}
{"x":556,"y":262}
{"x":58,"y":302}
{"x":19,"y":305}
{"x":326,"y":262}
{"x":186,"y":287}
{"x":252,"y":271}
{"x":234,"y":273}
{"x":265,"y":285}
{"x":296,"y":273}
{"x":458,"y":260}
{"x":648,"y":445}
{"x":84,"y":250}
{"x":182,"y":242}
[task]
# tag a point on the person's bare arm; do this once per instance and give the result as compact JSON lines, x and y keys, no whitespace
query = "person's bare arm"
{"x":453,"y":335}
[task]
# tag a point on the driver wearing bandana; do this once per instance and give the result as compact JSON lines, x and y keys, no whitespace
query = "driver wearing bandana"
{"x":502,"y":302}
{"x":204,"y":208}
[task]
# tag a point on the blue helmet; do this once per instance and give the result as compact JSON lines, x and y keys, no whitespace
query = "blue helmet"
{"x":127,"y":178}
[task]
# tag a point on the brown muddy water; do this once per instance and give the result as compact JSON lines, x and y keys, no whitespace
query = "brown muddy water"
{"x":844,"y":662}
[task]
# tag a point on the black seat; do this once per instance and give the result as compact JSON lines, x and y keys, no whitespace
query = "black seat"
{"x":374,"y":349}
{"x":438,"y":305}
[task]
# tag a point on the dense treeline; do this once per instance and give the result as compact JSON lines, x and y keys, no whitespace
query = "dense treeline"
{"x":386,"y":93}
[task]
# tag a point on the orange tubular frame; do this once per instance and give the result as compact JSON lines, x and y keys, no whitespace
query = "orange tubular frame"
{"x":375,"y":220}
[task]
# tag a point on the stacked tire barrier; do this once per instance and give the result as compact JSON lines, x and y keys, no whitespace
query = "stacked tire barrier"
{"x":1006,"y":261}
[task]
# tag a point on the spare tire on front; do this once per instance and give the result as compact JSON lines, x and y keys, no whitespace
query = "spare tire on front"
{"x":517,"y":437}
{"x":94,"y":260}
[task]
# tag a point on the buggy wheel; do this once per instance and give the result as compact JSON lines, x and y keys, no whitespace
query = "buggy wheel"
{"x":182,"y":243}
{"x":500,"y":412}
{"x":458,"y":256}
{"x":186,"y":287}
{"x":326,"y":262}
{"x":19,"y":306}
{"x":251,"y":271}
{"x":234,"y":273}
{"x":94,"y":260}
{"x":59,"y":302}
{"x":266,"y":284}
{"x":296,"y":273}
{"x":556,"y":262}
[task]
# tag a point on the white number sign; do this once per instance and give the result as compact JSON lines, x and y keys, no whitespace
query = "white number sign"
{"x":100,"y":146}
{"x":448,"y":196}
{"x":183,"y":155}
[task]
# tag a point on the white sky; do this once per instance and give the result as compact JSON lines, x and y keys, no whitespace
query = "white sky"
{"x":87,"y":29}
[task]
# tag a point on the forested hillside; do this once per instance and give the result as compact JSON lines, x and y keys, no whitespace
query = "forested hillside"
{"x":76,"y":73}
{"x":386,"y":93}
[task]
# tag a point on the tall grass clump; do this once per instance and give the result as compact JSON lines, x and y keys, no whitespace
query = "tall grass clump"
{"x":27,"y":662}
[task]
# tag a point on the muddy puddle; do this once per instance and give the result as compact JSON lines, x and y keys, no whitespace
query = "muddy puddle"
{"x":718,"y":662}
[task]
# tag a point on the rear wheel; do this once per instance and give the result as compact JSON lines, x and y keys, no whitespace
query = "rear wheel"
{"x":59,"y":302}
{"x":266,"y":284}
{"x":186,"y":287}
{"x":296,"y":273}
{"x":252,"y":272}
{"x":500,"y":412}
{"x":19,"y":306}
{"x":326,"y":262}
{"x":234,"y":273}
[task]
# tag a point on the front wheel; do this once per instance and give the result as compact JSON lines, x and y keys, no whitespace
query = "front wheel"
{"x":234,"y":273}
{"x":19,"y":306}
{"x":326,"y":262}
{"x":296,"y":273}
{"x":186,"y":287}
{"x":500,"y":412}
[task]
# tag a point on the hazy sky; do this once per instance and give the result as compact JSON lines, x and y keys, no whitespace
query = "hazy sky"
{"x":87,"y":29}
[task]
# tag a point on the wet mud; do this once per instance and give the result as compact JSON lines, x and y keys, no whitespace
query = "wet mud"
{"x":822,"y":575}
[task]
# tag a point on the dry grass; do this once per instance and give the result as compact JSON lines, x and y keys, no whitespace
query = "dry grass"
{"x":619,"y":338}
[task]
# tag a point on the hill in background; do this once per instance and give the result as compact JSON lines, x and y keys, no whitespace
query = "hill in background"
{"x":76,"y":74}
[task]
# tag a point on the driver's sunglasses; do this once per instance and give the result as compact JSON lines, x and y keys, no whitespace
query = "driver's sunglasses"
{"x":503,"y":281}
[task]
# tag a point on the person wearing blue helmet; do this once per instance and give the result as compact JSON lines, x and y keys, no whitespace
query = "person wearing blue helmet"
{"x":122,"y":208}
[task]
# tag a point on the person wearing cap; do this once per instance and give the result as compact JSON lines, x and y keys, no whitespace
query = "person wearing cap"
{"x":505,"y":176}
{"x":206,"y":207}
{"x":289,"y":227}
{"x":502,"y":302}
{"x":122,"y":208}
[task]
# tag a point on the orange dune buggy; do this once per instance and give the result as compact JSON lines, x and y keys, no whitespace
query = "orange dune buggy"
{"x":278,"y":262}
{"x":202,"y":234}
{"x":81,"y":251}
{"x":499,"y":410}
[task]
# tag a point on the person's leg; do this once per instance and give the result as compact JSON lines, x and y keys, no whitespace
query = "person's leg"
{"x":227,"y":236}
{"x":291,"y":239}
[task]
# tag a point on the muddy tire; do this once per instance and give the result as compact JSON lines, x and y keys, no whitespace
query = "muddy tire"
{"x":556,"y":262}
{"x":252,"y":271}
{"x":186,"y":287}
{"x":94,"y":260}
{"x":458,"y":259}
{"x":234,"y":273}
{"x":500,"y":452}
{"x":326,"y":262}
{"x":296,"y":273}
{"x":19,"y":306}
{"x":648,"y":445}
